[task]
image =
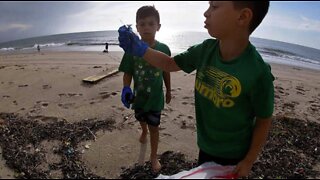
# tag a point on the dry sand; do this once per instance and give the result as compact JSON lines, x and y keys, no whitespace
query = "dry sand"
{"x":49,"y":84}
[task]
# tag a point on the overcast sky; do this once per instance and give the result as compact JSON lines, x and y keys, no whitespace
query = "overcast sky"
{"x":294,"y":22}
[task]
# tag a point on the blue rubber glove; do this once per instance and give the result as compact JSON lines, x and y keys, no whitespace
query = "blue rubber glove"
{"x":127,"y":96}
{"x":124,"y":38}
{"x":130,"y":42}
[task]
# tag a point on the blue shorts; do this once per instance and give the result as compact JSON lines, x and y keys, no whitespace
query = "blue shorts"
{"x":151,"y":117}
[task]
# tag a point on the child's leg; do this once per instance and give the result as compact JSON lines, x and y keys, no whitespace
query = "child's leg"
{"x":144,"y":133}
{"x":154,"y":139}
{"x":139,"y":115}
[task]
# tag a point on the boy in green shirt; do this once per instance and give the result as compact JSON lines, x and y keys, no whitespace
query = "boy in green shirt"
{"x":148,"y":98}
{"x":234,"y":92}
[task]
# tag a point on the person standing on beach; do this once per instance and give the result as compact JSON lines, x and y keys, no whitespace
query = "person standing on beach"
{"x":234,"y":91}
{"x":148,"y":97}
{"x":107,"y":47}
{"x":38,"y":48}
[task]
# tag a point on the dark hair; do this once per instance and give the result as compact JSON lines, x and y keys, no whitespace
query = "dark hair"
{"x":147,"y":11}
{"x":258,"y":8}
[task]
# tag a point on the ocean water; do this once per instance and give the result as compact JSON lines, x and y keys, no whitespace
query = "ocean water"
{"x":271,"y":51}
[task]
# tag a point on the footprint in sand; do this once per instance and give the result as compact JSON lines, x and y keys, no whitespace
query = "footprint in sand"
{"x":167,"y":109}
{"x":186,"y":97}
{"x":121,"y":108}
{"x":46,"y":86}
{"x":300,"y":90}
{"x":314,"y":107}
{"x":184,"y":125}
{"x":106,"y":95}
{"x":62,"y":95}
{"x":24,"y":85}
{"x":165,"y":134}
{"x":54,"y":68}
{"x":42,"y":104}
{"x":66,"y":105}
{"x":290,"y":105}
{"x":5,"y":96}
{"x":276,"y":96}
{"x":177,"y":89}
{"x":74,"y":94}
{"x":180,"y":115}
{"x":69,"y":94}
{"x":190,"y":117}
{"x":281,"y":90}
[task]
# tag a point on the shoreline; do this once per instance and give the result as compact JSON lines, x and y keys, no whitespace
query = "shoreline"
{"x":120,"y":51}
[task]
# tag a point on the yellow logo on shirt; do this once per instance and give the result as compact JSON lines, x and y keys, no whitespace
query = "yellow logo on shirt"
{"x":218,"y":86}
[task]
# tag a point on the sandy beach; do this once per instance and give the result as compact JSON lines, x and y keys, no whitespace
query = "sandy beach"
{"x":48,"y":85}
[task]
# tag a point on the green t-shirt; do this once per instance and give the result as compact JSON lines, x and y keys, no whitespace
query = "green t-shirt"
{"x":228,"y":97}
{"x":148,"y":80}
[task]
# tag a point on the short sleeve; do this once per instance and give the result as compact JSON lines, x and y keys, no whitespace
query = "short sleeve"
{"x":192,"y":58}
{"x":187,"y":61}
{"x":126,"y":64}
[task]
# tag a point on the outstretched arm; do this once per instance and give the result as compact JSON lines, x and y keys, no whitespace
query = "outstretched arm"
{"x":160,"y":60}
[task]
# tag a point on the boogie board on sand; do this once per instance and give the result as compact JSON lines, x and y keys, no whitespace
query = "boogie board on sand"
{"x":98,"y":77}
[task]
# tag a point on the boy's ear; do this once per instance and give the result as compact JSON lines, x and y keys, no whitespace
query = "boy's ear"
{"x":245,"y":16}
{"x":159,"y":26}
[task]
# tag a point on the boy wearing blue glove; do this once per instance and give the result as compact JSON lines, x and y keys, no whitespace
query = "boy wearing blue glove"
{"x":147,"y":98}
{"x":234,"y":92}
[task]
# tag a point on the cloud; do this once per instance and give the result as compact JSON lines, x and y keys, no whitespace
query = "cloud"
{"x":14,"y":26}
{"x":300,"y":24}
{"x":107,"y":15}
{"x":309,"y":24}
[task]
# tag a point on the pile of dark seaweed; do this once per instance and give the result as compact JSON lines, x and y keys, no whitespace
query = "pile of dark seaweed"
{"x":292,"y":150}
{"x":21,"y":138}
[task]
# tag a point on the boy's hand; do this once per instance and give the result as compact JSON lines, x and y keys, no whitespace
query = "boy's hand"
{"x":124,"y":38}
{"x":127,"y":96}
{"x":243,"y":168}
{"x":130,"y":42}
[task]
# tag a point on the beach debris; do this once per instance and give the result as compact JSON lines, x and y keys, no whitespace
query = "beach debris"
{"x":100,"y":76}
{"x":291,"y":152}
{"x":21,"y":143}
{"x":97,"y":66}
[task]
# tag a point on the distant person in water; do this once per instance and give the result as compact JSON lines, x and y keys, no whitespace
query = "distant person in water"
{"x":38,"y":47}
{"x":106,"y":50}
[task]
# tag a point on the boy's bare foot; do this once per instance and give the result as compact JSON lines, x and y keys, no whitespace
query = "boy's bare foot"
{"x":156,"y":166}
{"x":143,"y":137}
